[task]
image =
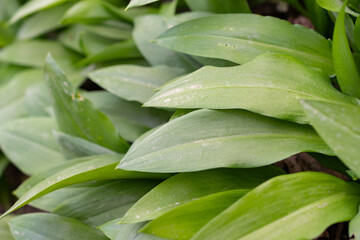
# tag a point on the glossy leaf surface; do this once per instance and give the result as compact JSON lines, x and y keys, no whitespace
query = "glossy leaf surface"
{"x":186,"y":187}
{"x":242,"y":37}
{"x":286,"y":207}
{"x":210,"y":139}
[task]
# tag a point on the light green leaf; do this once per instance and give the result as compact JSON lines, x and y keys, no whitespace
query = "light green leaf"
{"x":7,"y":72}
{"x":137,"y":3}
{"x":357,"y":34}
{"x":118,"y":51}
{"x":115,"y":30}
{"x":335,"y":6}
{"x":29,"y":144}
{"x":242,"y":37}
{"x":76,"y":115}
{"x":354,"y":227}
{"x":155,"y":55}
{"x":129,"y":15}
{"x":34,"y":6}
{"x":45,"y":226}
{"x":116,"y":231}
{"x":260,"y":86}
{"x":130,"y":119}
{"x":134,"y":83}
{"x":115,"y":199}
{"x":37,"y":100}
{"x":90,"y":11}
{"x":185,"y":221}
{"x":33,"y":53}
{"x":346,"y":71}
{"x":70,"y":37}
{"x":206,"y":139}
{"x":186,"y":187}
{"x":286,"y":207}
{"x":218,"y":6}
{"x":339,"y":126}
{"x":83,"y":170}
{"x":5,"y":233}
{"x":42,"y":22}
{"x":7,"y":9}
{"x":74,"y":147}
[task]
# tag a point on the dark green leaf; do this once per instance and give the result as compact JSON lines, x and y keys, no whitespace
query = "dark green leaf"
{"x":76,"y":115}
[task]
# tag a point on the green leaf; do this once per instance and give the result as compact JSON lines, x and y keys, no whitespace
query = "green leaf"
{"x":37,"y":100}
{"x":335,"y":6}
{"x":155,"y":55}
{"x":76,"y":115}
{"x":74,"y":147}
{"x":357,"y":34}
{"x":90,"y":11}
{"x":42,"y":226}
{"x":4,"y":162}
{"x":84,"y":170}
{"x":242,"y":37}
{"x":116,"y":231}
{"x":29,"y":144}
{"x":13,"y":92}
{"x":42,"y":22}
{"x":118,"y":51}
{"x":346,"y":71}
{"x":260,"y":86}
{"x":130,"y":119}
{"x":354,"y":227}
{"x":5,"y":233}
{"x":7,"y":72}
{"x":7,"y":9}
{"x":206,"y":139}
{"x":185,"y":221}
{"x":186,"y":187}
{"x":34,"y":6}
{"x":218,"y":6}
{"x":286,"y":207}
{"x":111,"y":29}
{"x":338,"y":125}
{"x":137,"y":3}
{"x":115,"y":199}
{"x":33,"y":53}
{"x":134,"y":83}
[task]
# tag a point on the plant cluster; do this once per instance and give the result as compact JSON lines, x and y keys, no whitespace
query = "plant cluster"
{"x":196,"y":101}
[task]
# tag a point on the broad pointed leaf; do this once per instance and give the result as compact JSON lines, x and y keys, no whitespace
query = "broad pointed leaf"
{"x":210,"y":139}
{"x":286,"y":207}
{"x":335,"y":6}
{"x":76,"y":115}
{"x":242,"y":37}
{"x":339,"y":126}
{"x":260,"y":86}
{"x":218,"y":6}
{"x":186,"y":187}
{"x":137,"y":3}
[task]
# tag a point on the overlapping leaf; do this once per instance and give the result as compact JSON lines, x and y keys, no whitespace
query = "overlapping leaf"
{"x":210,"y":139}
{"x":259,"y":86}
{"x":242,"y":37}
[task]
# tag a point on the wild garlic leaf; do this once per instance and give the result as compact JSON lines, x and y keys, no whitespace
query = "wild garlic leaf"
{"x":5,"y":233}
{"x":75,"y":147}
{"x":84,"y":170}
{"x":186,"y":187}
{"x":51,"y":226}
{"x":130,"y":118}
{"x":115,"y":30}
{"x":218,"y":6}
{"x":357,"y":34}
{"x":34,"y":6}
{"x":4,"y":162}
{"x":207,"y":139}
{"x":335,"y":6}
{"x":286,"y":207}
{"x":259,"y":86}
{"x":339,"y":126}
{"x":155,"y":55}
{"x":42,"y":22}
{"x":354,"y":227}
{"x":138,"y":3}
{"x":116,"y":231}
{"x":76,"y":115}
{"x":134,"y":83}
{"x":185,"y":221}
{"x":242,"y":37}
{"x":30,"y":145}
{"x":115,"y":199}
{"x":32,"y":53}
{"x":347,"y":73}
